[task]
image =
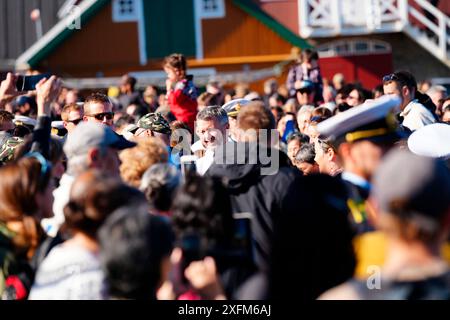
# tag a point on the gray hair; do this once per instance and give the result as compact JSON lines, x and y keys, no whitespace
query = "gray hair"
{"x":214,"y":113}
{"x":306,"y":153}
{"x":159,"y":184}
{"x":77,"y":164}
{"x":436,"y":89}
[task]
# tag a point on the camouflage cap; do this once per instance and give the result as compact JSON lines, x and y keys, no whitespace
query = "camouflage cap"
{"x":8,"y":147}
{"x":155,"y":122}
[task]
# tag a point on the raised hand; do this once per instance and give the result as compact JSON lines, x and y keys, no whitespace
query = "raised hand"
{"x":8,"y":89}
{"x":47,"y":91}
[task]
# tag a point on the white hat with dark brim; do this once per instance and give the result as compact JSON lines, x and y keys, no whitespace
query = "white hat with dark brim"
{"x":431,"y":141}
{"x":372,"y":120}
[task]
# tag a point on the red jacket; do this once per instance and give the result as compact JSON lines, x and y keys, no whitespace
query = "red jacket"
{"x":183,"y":101}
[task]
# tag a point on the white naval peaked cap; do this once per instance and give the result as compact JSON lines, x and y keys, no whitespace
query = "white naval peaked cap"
{"x":431,"y":141}
{"x":356,"y":117}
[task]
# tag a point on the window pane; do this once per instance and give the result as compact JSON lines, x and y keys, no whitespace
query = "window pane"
{"x":342,"y":48}
{"x":379,"y":47}
{"x":361,"y":46}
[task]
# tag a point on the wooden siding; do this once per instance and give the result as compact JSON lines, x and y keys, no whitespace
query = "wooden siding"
{"x":239,"y":34}
{"x":99,"y":46}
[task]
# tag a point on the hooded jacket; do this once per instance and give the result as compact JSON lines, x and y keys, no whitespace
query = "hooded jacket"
{"x":262,"y":182}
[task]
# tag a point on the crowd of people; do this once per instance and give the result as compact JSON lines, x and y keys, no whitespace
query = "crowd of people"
{"x":314,"y":189}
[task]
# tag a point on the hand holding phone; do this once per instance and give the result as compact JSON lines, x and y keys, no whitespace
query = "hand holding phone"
{"x":28,"y":83}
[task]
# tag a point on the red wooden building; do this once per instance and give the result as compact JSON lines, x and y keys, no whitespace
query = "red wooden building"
{"x":245,"y":40}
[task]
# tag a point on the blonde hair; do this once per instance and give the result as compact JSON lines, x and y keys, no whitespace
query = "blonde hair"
{"x":136,"y":161}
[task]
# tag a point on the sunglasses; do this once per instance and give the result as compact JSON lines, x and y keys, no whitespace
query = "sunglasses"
{"x":101,"y":116}
{"x":76,"y":121}
{"x":390,"y":77}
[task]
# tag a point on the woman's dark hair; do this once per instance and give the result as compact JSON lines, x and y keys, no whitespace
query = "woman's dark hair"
{"x":203,"y":221}
{"x":93,"y":197}
{"x":309,"y":54}
{"x":426,"y":101}
{"x":20,"y":181}
{"x":202,"y":205}
{"x":133,"y":245}
{"x":363,"y":93}
{"x":313,"y":251}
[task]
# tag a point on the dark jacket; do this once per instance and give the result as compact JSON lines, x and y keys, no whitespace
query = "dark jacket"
{"x":41,"y":136}
{"x":264,"y":196}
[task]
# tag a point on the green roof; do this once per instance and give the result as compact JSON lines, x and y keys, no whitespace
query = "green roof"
{"x":252,"y":9}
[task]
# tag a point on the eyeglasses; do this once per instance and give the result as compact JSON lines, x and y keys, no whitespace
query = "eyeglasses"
{"x":101,"y":116}
{"x":76,"y":121}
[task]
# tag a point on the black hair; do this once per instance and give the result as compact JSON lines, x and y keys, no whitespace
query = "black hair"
{"x":346,"y":89}
{"x":298,"y":136}
{"x":363,"y":93}
{"x":23,"y":130}
{"x":124,"y":120}
{"x":378,"y":88}
{"x":133,"y":244}
{"x":202,"y":220}
{"x":426,"y":101}
{"x":341,"y":107}
{"x":278,"y":97}
{"x":139,"y":111}
{"x":202,"y":205}
{"x":403,"y":78}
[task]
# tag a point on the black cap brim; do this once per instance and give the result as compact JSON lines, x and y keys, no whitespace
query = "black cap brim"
{"x":122,"y":143}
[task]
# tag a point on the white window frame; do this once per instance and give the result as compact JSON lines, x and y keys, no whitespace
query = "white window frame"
{"x":218,"y":13}
{"x":332,"y":48}
{"x":117,"y":16}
